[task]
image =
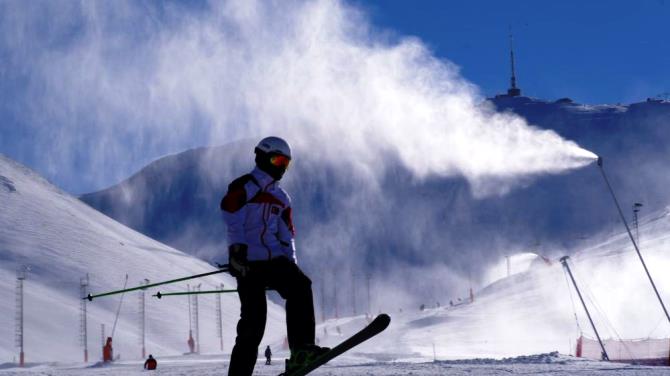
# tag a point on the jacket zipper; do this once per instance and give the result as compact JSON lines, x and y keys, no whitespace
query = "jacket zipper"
{"x":265,"y":224}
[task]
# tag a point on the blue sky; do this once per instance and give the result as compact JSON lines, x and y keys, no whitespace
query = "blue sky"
{"x":594,"y":51}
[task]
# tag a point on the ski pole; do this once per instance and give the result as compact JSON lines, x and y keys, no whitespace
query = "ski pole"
{"x":224,"y":269}
{"x":162,"y":294}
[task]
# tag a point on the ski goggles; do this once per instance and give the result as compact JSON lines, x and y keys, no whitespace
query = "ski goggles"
{"x":280,"y":161}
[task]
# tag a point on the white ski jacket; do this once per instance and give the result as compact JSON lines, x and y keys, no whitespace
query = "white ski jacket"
{"x":258,"y":213}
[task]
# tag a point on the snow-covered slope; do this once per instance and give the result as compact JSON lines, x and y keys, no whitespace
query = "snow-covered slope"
{"x":62,"y":239}
{"x":540,"y":364}
{"x":534,"y":311}
{"x":528,"y":313}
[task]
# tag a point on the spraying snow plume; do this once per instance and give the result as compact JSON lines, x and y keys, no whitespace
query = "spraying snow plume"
{"x":112,"y":85}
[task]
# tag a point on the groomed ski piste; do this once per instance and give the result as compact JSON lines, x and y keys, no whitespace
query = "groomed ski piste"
{"x":541,"y":364}
{"x":525,"y":323}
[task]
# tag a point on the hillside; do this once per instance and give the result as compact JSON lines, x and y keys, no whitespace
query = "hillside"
{"x":533,"y":311}
{"x":62,"y":239}
{"x":527,"y":313}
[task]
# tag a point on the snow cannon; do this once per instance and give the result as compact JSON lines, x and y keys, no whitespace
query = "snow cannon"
{"x":600,"y":161}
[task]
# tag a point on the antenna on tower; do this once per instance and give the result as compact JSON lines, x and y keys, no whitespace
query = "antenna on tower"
{"x":513,"y":91}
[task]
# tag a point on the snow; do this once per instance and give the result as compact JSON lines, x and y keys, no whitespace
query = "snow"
{"x":517,"y":263}
{"x":533,"y":311}
{"x":542,"y":364}
{"x":62,"y":239}
{"x":530,"y":312}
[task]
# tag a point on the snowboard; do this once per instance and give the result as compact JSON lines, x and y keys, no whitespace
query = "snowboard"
{"x":375,"y":327}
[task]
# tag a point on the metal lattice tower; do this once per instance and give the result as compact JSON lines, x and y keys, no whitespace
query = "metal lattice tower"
{"x":20,"y":277}
{"x":83,"y":333}
{"x":353,"y":292}
{"x":190,"y":320}
{"x":323,"y":297}
{"x":102,"y":335}
{"x":190,"y":314}
{"x":195,"y":319}
{"x":367,"y":282}
{"x":636,"y":209}
{"x":219,"y":319}
{"x":337,"y":307}
{"x":142,"y":318}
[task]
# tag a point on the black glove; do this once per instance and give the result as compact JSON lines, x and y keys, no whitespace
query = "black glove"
{"x":237,"y":260}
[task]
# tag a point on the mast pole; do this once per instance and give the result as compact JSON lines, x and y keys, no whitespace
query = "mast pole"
{"x":630,"y":235}
{"x":564,"y":261}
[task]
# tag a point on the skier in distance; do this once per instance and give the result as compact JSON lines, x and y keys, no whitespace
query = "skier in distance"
{"x":150,"y":363}
{"x":268,"y":356}
{"x":261,"y":254}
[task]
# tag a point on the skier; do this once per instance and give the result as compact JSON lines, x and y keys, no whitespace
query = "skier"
{"x":108,"y":351}
{"x":261,"y":254}
{"x":268,"y":356}
{"x":191,"y":343}
{"x":151,"y":363}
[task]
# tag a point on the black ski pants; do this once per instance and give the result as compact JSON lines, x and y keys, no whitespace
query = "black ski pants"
{"x":294,"y":286}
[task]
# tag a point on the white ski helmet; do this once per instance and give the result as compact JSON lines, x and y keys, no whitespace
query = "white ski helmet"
{"x":274,"y":145}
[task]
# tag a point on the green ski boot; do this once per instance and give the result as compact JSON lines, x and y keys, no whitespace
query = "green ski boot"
{"x":304,"y":355}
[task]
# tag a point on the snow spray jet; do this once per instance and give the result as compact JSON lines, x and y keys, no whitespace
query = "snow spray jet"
{"x":315,"y":72}
{"x":630,"y":235}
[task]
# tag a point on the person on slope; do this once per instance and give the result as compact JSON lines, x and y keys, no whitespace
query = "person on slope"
{"x":261,"y":254}
{"x":108,"y":351}
{"x":268,"y":356}
{"x":151,"y":363}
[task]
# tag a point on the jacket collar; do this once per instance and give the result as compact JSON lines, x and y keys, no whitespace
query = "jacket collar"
{"x":263,"y":178}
